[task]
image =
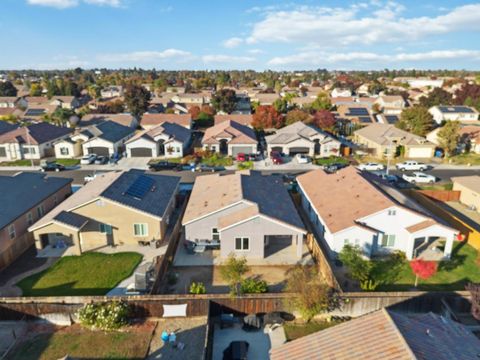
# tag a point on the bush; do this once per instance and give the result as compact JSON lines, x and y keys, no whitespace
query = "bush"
{"x":331,"y":160}
{"x":246,"y":165}
{"x":110,"y":315}
{"x":253,"y":286}
{"x":197,"y":288}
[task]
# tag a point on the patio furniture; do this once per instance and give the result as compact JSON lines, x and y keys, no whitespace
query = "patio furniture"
{"x":209,"y":244}
{"x":252,"y":322}
{"x":199,"y":249}
{"x":273,"y":318}
{"x":237,"y":350}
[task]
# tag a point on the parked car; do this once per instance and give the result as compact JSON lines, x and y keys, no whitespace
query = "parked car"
{"x":419,"y":177}
{"x":332,"y":168}
{"x":276,"y":157}
{"x":252,"y":157}
{"x":412,"y":165}
{"x":371,"y":166}
{"x":387,"y":177}
{"x":242,"y":157}
{"x":208,"y":168}
{"x":162,"y":165}
{"x":302,"y":159}
{"x":185,"y":167}
{"x":90,"y":177}
{"x":52,"y":166}
{"x":88,"y":159}
{"x":100,"y":160}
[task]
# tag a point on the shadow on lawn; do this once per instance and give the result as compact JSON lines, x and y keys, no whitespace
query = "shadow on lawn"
{"x":67,"y":289}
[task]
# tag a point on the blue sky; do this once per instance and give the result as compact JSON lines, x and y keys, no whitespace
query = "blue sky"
{"x":214,"y":34}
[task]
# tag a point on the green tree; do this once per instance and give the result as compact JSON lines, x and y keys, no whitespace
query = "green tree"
{"x":52,"y":89}
{"x":416,"y":120}
{"x":137,"y":99}
{"x":296,"y":115}
{"x":232,"y":272}
{"x":437,"y":96}
{"x":448,"y":137}
{"x":224,"y":100}
{"x":322,"y":102}
{"x":7,"y":89}
{"x":36,"y":90}
{"x":61,"y":116}
{"x":281,"y":105}
{"x":376,"y":88}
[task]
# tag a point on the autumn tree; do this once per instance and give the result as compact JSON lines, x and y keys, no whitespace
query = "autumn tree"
{"x":437,"y":96}
{"x":224,"y":100}
{"x":296,"y":115}
{"x":324,"y":120}
{"x":36,"y":90}
{"x":448,"y":137}
{"x":137,"y":98}
{"x":423,"y":269}
{"x":416,"y":120}
{"x":194,"y":111}
{"x":266,"y":117}
{"x":468,"y":94}
{"x":111,"y":107}
{"x":7,"y":89}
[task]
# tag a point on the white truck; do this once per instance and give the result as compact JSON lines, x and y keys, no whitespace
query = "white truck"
{"x":418,"y":177}
{"x":412,"y":165}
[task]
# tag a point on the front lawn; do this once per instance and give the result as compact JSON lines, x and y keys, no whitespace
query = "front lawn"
{"x":19,"y":163}
{"x":331,"y":160}
{"x":88,"y":274}
{"x":464,"y":159}
{"x":217,"y":160}
{"x":297,"y":330}
{"x":463,"y":268}
{"x":68,"y":162}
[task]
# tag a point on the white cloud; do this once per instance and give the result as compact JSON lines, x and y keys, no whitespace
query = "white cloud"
{"x":113,"y":3}
{"x":232,"y":42}
{"x":227,"y":59}
{"x":255,"y":51}
{"x":146,"y":56}
{"x":63,"y":4}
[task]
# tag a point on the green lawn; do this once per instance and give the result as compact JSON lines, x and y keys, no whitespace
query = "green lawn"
{"x":463,"y":159}
{"x":68,"y":162}
{"x":297,"y":330}
{"x":331,"y":160}
{"x":217,"y":160}
{"x":462,"y":269}
{"x":19,"y":163}
{"x":88,"y":274}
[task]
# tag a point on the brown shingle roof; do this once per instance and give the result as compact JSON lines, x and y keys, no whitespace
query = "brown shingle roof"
{"x":239,"y":133}
{"x":96,"y":119}
{"x":184,"y":120}
{"x":471,"y":182}
{"x":244,"y":119}
{"x":421,"y":225}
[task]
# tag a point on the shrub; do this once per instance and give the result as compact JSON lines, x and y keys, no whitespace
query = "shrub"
{"x":253,"y":286}
{"x":232,"y":271}
{"x":197,"y":288}
{"x":109,"y":315}
{"x":247,"y":165}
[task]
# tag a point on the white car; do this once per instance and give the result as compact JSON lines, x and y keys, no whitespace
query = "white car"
{"x":371,"y":166}
{"x":302,"y":159}
{"x":412,"y":166}
{"x":418,"y":177}
{"x":88,"y":159}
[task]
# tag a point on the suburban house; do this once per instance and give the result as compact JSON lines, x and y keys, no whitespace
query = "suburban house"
{"x":25,"y":198}
{"x":230,"y":138}
{"x":125,"y":119}
{"x":250,"y":214}
{"x":347,"y":208}
{"x":454,"y":113}
{"x":114,"y":209}
{"x":339,"y":92}
{"x":149,"y":121}
{"x":6,"y":127}
{"x":420,"y":82}
{"x":387,"y":119}
{"x":469,"y":139}
{"x":357,"y":114}
{"x":109,"y":139}
{"x":354,"y":101}
{"x":167,"y":140}
{"x":264,"y":98}
{"x":300,"y":138}
{"x":190,"y":99}
{"x":385,"y":139}
{"x":65,"y":102}
{"x":386,"y":335}
{"x":391,"y":104}
{"x":469,"y":187}
{"x":9,"y":101}
{"x":31,"y":142}
{"x":111,"y":92}
{"x":71,"y":147}
{"x":243,"y":119}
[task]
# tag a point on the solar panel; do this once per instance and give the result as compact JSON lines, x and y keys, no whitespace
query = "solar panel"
{"x":140,"y":187}
{"x":358,"y":112}
{"x":391,"y":119}
{"x":451,"y":109}
{"x":35,"y":112}
{"x":365,"y":119}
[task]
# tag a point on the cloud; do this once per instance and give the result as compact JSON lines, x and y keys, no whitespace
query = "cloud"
{"x":113,"y":3}
{"x":63,"y":4}
{"x":218,"y":58}
{"x":146,"y":56}
{"x":372,"y":23}
{"x":232,"y":42}
{"x":255,"y":51}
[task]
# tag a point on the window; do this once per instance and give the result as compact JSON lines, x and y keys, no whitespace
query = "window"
{"x":55,"y":199}
{"x":215,"y":234}
{"x":40,"y":211}
{"x":345,"y":242}
{"x":242,"y":243}
{"x":106,"y":229}
{"x":29,"y":218}
{"x":388,"y":240}
{"x":140,"y":229}
{"x":392,"y":212}
{"x":64,"y":151}
{"x":11,"y":231}
{"x":29,"y":150}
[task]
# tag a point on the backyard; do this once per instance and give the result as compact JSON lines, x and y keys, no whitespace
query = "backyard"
{"x":88,"y":274}
{"x":295,"y":330}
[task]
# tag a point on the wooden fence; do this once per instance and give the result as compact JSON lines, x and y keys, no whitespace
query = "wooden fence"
{"x":442,"y":195}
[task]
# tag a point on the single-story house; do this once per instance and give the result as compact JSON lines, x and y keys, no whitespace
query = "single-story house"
{"x":115,"y":208}
{"x":149,"y":121}
{"x":347,"y":208}
{"x":230,"y":138}
{"x":469,"y":187}
{"x":264,"y":98}
{"x":455,"y":113}
{"x":191,"y":99}
{"x":125,"y":119}
{"x":340,"y":92}
{"x":168,"y":140}
{"x":250,"y":214}
{"x":111,"y":92}
{"x":25,"y":198}
{"x":300,"y":138}
{"x":9,"y":101}
{"x":65,"y":102}
{"x":385,"y":139}
{"x":31,"y":142}
{"x":244,"y":119}
{"x":391,"y":104}
{"x":109,"y":139}
{"x":469,"y":138}
{"x":6,"y":127}
{"x":357,"y":114}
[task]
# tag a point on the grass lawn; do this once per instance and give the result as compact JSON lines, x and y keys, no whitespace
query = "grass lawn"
{"x":81,"y":343}
{"x":445,"y":186}
{"x":297,"y":330}
{"x":452,"y":275}
{"x":246,"y":165}
{"x":331,"y":160}
{"x":68,"y":162}
{"x":19,"y":163}
{"x":464,"y":159}
{"x":88,"y":274}
{"x":217,"y":160}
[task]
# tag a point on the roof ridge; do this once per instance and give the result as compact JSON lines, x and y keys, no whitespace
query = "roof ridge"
{"x":398,"y":332}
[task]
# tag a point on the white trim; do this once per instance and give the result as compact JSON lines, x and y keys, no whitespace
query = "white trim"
{"x":61,"y":224}
{"x":216,"y":211}
{"x":142,"y":224}
{"x":241,"y":240}
{"x":266,"y":218}
{"x":218,"y":232}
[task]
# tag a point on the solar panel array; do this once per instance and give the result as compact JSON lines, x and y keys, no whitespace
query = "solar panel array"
{"x":35,"y":112}
{"x":453,"y":109}
{"x":365,"y":119}
{"x":391,"y":119}
{"x":357,"y":112}
{"x":140,"y":187}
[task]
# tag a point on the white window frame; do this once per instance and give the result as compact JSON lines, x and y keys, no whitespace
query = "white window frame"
{"x":143,"y":226}
{"x":217,"y":233}
{"x":64,"y":150}
{"x":392,"y":212}
{"x":29,"y":218}
{"x":242,"y":238}
{"x":390,"y":240}
{"x":12,"y":234}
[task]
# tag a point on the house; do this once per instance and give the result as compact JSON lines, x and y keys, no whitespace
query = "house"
{"x":191,"y":99}
{"x":9,"y":101}
{"x":244,"y":119}
{"x":37,"y":112}
{"x":167,"y":140}
{"x":386,"y":335}
{"x":108,"y":139}
{"x":347,"y":208}
{"x":390,"y":104}
{"x":6,"y":127}
{"x":29,"y":197}
{"x":150,"y":121}
{"x":300,"y":138}
{"x":454,"y":113}
{"x":357,"y":114}
{"x":65,"y":102}
{"x":339,"y":92}
{"x":264,"y":98}
{"x":420,"y":82}
{"x":469,"y":138}
{"x":240,"y":211}
{"x":32,"y":142}
{"x":469,"y":187}
{"x":354,"y":101}
{"x":385,"y":139}
{"x":114,"y":209}
{"x":230,"y":138}
{"x":111,"y":92}
{"x":125,"y":119}
{"x":388,"y":119}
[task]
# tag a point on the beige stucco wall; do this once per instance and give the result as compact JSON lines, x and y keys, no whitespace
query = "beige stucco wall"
{"x":69,"y":235}
{"x":467,"y":196}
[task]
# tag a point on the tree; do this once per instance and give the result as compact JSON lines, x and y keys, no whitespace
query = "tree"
{"x":296,"y":115}
{"x":468,"y":92}
{"x":137,"y":99}
{"x":437,"y":96}
{"x":224,"y":100}
{"x":232,"y":272}
{"x":281,"y":105}
{"x":416,"y":120}
{"x":448,"y":137}
{"x":36,"y":90}
{"x":7,"y":89}
{"x":310,"y":295}
{"x":324,"y":120}
{"x":475,"y":293}
{"x":376,"y":88}
{"x":322,"y":102}
{"x":111,"y":107}
{"x":266,"y":117}
{"x":61,"y":116}
{"x":194,"y":111}
{"x":423,"y":269}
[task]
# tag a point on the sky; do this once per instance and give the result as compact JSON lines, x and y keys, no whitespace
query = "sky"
{"x":241,"y":34}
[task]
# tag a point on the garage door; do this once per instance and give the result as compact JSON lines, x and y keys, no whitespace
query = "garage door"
{"x":241,"y":149}
{"x":277,"y":148}
{"x":99,"y":150}
{"x":421,"y":152}
{"x":299,"y":150}
{"x":141,"y":152}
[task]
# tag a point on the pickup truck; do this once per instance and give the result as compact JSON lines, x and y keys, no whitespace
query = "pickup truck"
{"x":418,"y":177}
{"x":412,"y":166}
